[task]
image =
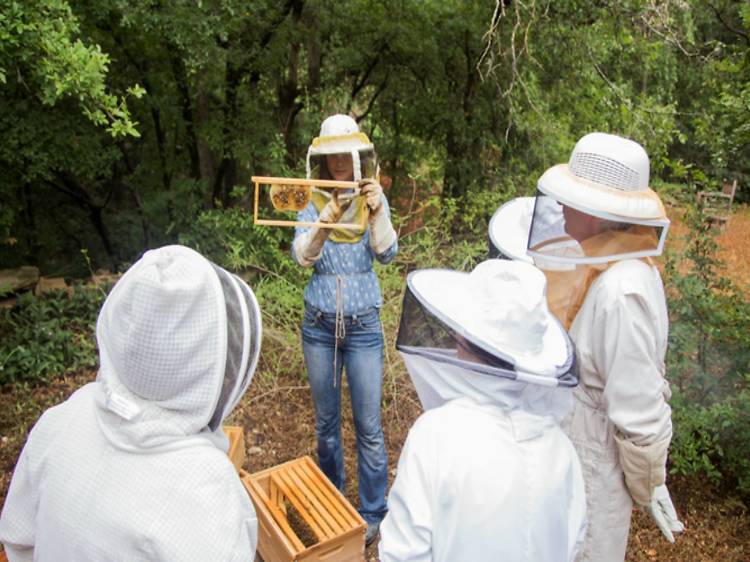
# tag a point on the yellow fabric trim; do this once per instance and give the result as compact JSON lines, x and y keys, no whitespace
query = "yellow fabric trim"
{"x":355,"y":213}
{"x":318,"y":141}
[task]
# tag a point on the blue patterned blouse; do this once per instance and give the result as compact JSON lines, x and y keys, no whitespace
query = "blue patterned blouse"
{"x":352,"y":262}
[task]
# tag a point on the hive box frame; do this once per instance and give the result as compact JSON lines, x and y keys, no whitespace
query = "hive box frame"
{"x":338,"y":528}
{"x":236,"y":453}
{"x":324,"y":184}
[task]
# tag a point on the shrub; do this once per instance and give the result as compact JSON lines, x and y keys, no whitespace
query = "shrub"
{"x":708,"y":363}
{"x":43,"y":337}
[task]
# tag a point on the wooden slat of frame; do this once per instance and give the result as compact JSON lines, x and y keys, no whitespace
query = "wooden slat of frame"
{"x":302,"y":482}
{"x":274,"y":222}
{"x":344,"y":508}
{"x":255,"y":202}
{"x":332,"y":507}
{"x":277,"y":498}
{"x":299,"y":507}
{"x":279,"y":517}
{"x":304,"y":497}
{"x":330,"y":184}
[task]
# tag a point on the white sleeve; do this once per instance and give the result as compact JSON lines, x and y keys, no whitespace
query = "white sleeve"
{"x":406,"y":531}
{"x":635,"y":392}
{"x":17,"y":522}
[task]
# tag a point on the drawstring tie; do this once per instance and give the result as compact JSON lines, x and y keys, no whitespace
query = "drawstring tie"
{"x":340,"y":329}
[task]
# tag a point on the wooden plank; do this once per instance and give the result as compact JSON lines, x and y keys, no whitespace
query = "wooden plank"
{"x":277,"y":498}
{"x":300,"y":507}
{"x":326,"y":184}
{"x":348,"y":507}
{"x":349,"y":547}
{"x":332,"y":506}
{"x":278,"y":517}
{"x":317,"y":509}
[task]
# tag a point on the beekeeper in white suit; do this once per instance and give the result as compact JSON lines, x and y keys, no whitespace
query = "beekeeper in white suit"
{"x":134,"y":465}
{"x":596,"y":228}
{"x":486,"y":472}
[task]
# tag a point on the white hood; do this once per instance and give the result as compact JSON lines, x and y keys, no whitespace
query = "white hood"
{"x":179,"y":339}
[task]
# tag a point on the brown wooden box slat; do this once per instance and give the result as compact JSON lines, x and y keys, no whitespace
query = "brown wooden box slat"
{"x":236,"y":452}
{"x":339,"y":529}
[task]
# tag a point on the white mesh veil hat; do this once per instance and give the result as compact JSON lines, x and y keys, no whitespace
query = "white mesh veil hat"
{"x":179,"y":341}
{"x":606,"y":177}
{"x":509,"y":229}
{"x":493,"y":320}
{"x":340,"y":134}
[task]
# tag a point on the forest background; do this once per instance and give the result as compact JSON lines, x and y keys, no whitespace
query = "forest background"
{"x":130,"y":124}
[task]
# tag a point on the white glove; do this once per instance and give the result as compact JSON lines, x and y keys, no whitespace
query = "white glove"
{"x":332,"y":211}
{"x":382,"y":235}
{"x":662,"y":511}
{"x":308,"y":246}
{"x":372,"y":190}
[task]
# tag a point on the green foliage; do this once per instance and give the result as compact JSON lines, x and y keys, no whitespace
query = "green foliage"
{"x":47,"y":336}
{"x":229,"y":238}
{"x":708,"y":363}
{"x":40,"y":50}
{"x":713,"y":440}
{"x":233,"y":89}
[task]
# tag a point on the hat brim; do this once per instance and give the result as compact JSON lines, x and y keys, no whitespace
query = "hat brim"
{"x":340,"y":144}
{"x":509,"y":228}
{"x":447,"y":295}
{"x":594,"y":198}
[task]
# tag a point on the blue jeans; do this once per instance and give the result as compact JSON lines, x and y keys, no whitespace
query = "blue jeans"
{"x":360,"y":351}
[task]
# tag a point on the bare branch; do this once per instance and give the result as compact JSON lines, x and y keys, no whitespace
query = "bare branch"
{"x":720,"y":16}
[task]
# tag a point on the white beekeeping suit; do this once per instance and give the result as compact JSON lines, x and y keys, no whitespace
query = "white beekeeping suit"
{"x":134,"y":465}
{"x":486,"y":472}
{"x":604,"y":287}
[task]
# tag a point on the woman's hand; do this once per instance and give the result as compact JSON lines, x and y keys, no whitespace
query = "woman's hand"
{"x":372,"y":190}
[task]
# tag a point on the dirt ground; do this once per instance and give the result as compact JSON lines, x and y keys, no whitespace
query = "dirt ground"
{"x":278,"y":422}
{"x":277,"y":416}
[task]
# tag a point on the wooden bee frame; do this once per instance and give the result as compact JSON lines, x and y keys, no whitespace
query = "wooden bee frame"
{"x":322,"y":184}
{"x":299,"y":485}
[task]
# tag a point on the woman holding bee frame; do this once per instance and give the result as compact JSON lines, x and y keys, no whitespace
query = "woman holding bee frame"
{"x":341,"y":326}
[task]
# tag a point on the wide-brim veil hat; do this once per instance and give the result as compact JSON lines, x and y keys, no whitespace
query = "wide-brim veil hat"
{"x":499,"y":308}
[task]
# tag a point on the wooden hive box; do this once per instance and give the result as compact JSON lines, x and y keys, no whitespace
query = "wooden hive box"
{"x":236,"y":452}
{"x":295,"y":498}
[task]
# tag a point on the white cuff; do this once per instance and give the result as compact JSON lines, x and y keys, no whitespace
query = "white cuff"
{"x":306,"y":249}
{"x":382,"y":235}
{"x":645,"y":467}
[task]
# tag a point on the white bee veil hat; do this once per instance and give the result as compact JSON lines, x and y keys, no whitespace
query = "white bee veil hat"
{"x":607,"y":177}
{"x":493,"y":320}
{"x":340,"y":134}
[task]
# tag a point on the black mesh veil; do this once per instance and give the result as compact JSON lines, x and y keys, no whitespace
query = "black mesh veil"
{"x":368,"y":162}
{"x":243,"y":343}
